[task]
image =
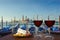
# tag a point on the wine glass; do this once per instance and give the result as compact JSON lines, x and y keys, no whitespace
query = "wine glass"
{"x":49,"y":24}
{"x":37,"y":23}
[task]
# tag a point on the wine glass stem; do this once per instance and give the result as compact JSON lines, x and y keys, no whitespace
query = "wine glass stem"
{"x":49,"y":30}
{"x":36,"y":30}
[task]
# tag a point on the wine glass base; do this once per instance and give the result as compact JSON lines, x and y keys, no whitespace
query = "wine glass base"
{"x":38,"y":37}
{"x":49,"y":37}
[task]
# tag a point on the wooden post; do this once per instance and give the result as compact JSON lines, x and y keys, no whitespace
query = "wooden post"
{"x":19,"y":21}
{"x":14,"y":20}
{"x":59,"y":21}
{"x":11,"y":20}
{"x":33,"y":18}
{"x":6,"y":23}
{"x":37,"y":17}
{"x":48,"y":17}
{"x":2,"y":22}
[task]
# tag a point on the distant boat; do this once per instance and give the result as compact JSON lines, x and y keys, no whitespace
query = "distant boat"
{"x":15,"y":28}
{"x":40,"y":29}
{"x":54,"y":29}
{"x":6,"y":30}
{"x":23,"y":27}
{"x":32,"y":30}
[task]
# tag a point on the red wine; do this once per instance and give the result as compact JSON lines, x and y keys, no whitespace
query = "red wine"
{"x":49,"y":23}
{"x":37,"y":22}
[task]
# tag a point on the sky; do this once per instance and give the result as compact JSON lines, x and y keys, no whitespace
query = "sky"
{"x":29,"y":8}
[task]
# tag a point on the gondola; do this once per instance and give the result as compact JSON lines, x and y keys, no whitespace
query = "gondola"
{"x":5,"y":31}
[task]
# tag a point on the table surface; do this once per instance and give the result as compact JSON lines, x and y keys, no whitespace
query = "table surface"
{"x":10,"y":37}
